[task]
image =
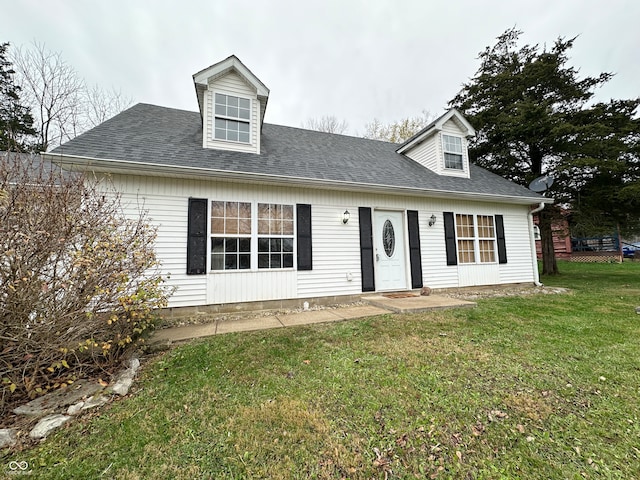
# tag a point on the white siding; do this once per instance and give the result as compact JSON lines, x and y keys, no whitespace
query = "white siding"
{"x":519,"y":266}
{"x":231,"y":84}
{"x":430,"y":154}
{"x":249,"y":286}
{"x":426,"y":154}
{"x":336,"y":246}
{"x":336,"y":254}
{"x":519,"y":258}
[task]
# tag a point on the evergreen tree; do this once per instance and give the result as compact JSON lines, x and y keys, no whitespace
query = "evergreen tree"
{"x":534,"y":116}
{"x":15,"y":119}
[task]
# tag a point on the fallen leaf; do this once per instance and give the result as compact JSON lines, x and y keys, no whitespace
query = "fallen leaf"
{"x":494,"y":415}
{"x":477,"y":429}
{"x":520,"y":428}
{"x":306,"y":362}
{"x":102,"y":382}
{"x":459,"y":455}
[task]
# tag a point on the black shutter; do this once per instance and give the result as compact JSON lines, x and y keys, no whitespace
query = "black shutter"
{"x":197,"y":237}
{"x":502,"y":246}
{"x":366,"y":250}
{"x":303,"y":220}
{"x":450,"y":238}
{"x":414,"y":249}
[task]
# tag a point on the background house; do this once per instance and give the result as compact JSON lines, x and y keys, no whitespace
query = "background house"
{"x":253,"y":212}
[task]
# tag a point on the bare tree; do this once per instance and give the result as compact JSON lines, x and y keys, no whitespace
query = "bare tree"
{"x":397,"y":132}
{"x":62,"y":104}
{"x":103,"y":104}
{"x":328,"y":124}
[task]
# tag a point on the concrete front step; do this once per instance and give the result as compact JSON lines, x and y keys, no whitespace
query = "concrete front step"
{"x":414,"y":303}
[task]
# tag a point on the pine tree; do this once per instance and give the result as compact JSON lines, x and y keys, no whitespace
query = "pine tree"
{"x":534,"y":116}
{"x":15,"y":119}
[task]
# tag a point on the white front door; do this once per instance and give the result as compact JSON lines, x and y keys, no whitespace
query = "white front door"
{"x":389,"y":250}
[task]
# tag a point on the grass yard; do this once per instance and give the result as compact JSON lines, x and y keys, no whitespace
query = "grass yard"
{"x":545,"y":386}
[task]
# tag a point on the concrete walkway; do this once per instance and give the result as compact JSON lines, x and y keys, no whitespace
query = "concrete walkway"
{"x":378,"y":305}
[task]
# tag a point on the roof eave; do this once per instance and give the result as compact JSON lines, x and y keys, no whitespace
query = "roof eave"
{"x":77,"y":163}
{"x":229,"y":63}
{"x":437,"y":126}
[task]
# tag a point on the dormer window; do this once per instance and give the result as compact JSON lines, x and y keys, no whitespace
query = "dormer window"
{"x":232,"y":118}
{"x":452,"y":148}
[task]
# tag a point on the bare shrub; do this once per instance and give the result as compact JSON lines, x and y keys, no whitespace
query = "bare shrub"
{"x":79,"y":283}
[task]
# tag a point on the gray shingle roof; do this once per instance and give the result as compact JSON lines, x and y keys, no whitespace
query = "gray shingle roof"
{"x":149,"y":134}
{"x":22,"y":166}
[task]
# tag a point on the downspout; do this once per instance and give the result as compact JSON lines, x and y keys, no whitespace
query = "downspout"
{"x":532,"y":240}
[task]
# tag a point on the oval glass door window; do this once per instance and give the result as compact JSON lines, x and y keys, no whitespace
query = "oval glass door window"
{"x":388,"y":238}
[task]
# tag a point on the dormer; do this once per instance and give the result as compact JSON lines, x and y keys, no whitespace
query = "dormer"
{"x":232,"y":102}
{"x":442,"y":146}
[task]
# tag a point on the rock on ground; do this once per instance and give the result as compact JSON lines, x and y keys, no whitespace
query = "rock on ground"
{"x":8,"y":437}
{"x":47,"y":424}
{"x":123,"y":381}
{"x":58,"y":400}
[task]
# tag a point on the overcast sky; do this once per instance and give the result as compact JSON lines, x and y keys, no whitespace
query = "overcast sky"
{"x":357,"y":60}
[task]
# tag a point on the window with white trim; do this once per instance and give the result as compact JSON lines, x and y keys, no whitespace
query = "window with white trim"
{"x":275,"y":236}
{"x":452,"y":148}
{"x":476,"y":238}
{"x":232,"y":118}
{"x":246,"y":235}
{"x":230,"y":235}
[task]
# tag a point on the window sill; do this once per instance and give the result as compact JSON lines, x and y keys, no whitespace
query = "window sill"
{"x":479,"y":264}
{"x":253,"y":270}
{"x":232,"y":142}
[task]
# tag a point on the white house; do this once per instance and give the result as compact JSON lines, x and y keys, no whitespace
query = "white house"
{"x":253,"y":212}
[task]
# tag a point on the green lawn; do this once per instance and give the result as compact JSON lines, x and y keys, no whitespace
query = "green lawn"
{"x":545,"y":386}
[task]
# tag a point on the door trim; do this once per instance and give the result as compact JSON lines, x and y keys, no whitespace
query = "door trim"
{"x":403,"y":246}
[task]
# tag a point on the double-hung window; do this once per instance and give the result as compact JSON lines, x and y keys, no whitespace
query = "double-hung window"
{"x":232,"y":118}
{"x":486,"y":238}
{"x":452,"y":148}
{"x":275,"y":235}
{"x":246,"y":235}
{"x":230,"y":235}
{"x":465,"y":232}
{"x":476,"y":236}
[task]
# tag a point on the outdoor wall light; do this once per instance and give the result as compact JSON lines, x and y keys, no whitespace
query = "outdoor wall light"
{"x":345,"y":216}
{"x":432,"y":220}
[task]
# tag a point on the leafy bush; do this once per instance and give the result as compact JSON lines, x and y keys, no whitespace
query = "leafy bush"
{"x":79,"y":280}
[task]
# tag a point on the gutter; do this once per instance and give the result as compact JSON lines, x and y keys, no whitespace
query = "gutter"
{"x":532,"y":240}
{"x":127,"y":167}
